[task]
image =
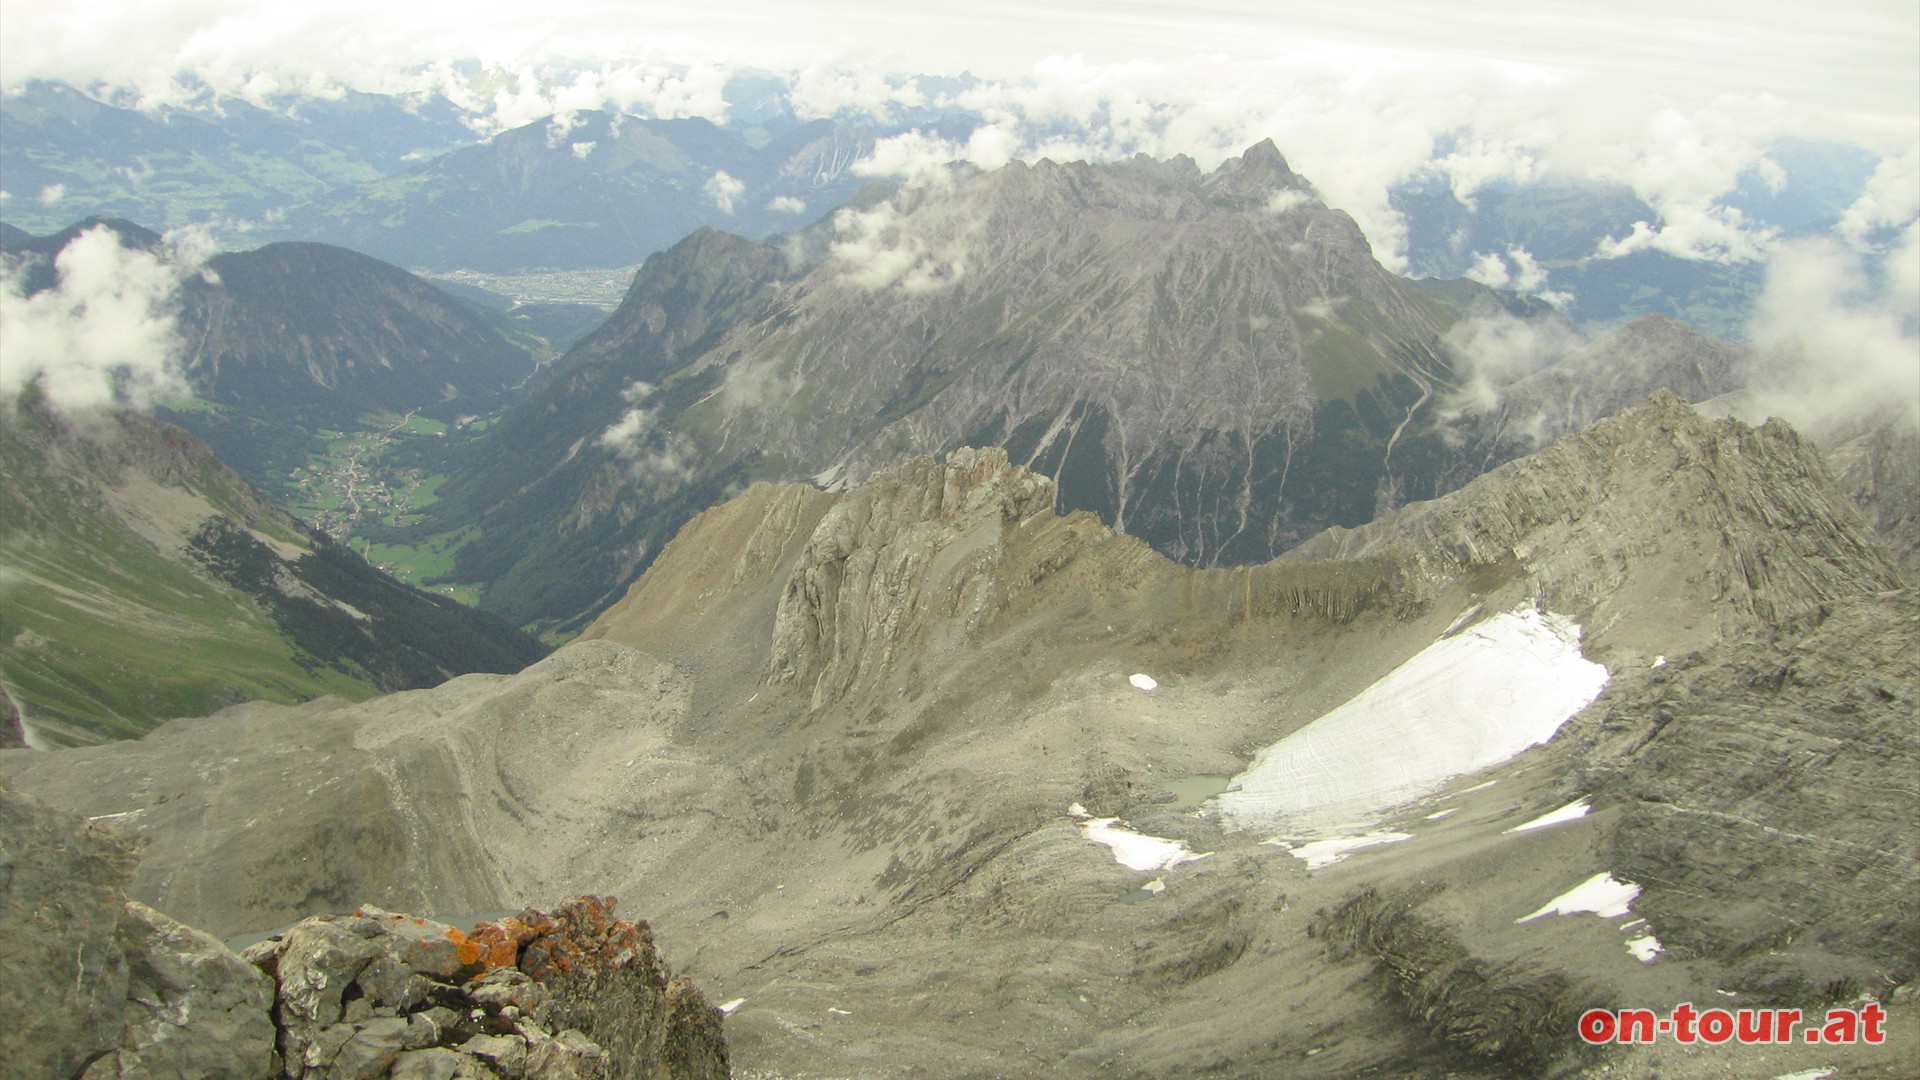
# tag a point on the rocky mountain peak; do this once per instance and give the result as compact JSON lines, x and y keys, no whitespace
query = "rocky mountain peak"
{"x":911,"y":543}
{"x":1259,"y":179}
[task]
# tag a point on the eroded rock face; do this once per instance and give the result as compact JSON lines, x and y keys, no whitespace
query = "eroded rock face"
{"x":913,"y":538}
{"x":576,"y":993}
{"x":103,"y":988}
{"x":61,"y":880}
{"x":193,"y":1008}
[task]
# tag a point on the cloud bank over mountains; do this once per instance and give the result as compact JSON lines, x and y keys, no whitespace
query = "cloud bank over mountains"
{"x":1680,"y":104}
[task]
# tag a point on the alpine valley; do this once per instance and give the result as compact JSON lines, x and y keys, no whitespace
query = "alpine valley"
{"x":1079,"y":619}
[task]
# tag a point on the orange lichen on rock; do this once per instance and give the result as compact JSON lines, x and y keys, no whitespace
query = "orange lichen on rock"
{"x":489,"y":948}
{"x":580,"y":932}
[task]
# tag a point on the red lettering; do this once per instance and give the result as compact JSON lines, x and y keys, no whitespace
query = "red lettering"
{"x":1683,"y":1015}
{"x":1716,"y":1026}
{"x":1637,"y":1026}
{"x":1843,"y":1026}
{"x":1783,"y":1021}
{"x":1754,"y":1025}
{"x":1597,"y":1025}
{"x":1872,"y":1017}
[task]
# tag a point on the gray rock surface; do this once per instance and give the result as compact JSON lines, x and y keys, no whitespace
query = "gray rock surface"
{"x":575,"y":995}
{"x":61,"y":883}
{"x":194,"y":1008}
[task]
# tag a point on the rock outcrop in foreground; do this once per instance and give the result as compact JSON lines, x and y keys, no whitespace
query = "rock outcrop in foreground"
{"x":108,"y":988}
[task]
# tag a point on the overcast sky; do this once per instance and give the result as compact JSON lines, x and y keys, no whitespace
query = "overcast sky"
{"x":1680,"y":101}
{"x":1857,"y":62}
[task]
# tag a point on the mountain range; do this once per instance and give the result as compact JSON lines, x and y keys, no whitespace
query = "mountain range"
{"x":1080,"y":619}
{"x":405,"y":178}
{"x":1212,"y":362}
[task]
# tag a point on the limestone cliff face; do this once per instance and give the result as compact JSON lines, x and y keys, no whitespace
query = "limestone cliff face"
{"x":913,"y":549}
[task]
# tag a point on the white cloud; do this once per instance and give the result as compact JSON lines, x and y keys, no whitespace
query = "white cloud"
{"x":626,"y":434}
{"x":52,"y":194}
{"x":1490,"y":351}
{"x":1838,"y":332}
{"x":887,"y":246}
{"x":582,"y":150}
{"x":1526,"y":275}
{"x":104,"y":335}
{"x":721,"y":189}
{"x":1890,"y":201}
{"x":787,"y":204}
{"x":1287,"y":199}
{"x":1489,"y":269}
{"x":918,"y":157}
{"x":851,"y":84}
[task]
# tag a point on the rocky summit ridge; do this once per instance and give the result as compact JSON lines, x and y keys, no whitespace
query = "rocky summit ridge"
{"x":108,"y":987}
{"x":851,"y":748}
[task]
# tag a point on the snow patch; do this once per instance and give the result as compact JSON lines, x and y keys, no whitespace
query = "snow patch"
{"x":1438,"y":814}
{"x":1644,"y":948}
{"x":1573,"y":811}
{"x":1319,"y":853}
{"x":1075,"y":810}
{"x":1600,"y":894}
{"x":1808,"y":1074}
{"x":729,"y":1007}
{"x":1138,"y":851}
{"x":1462,"y":703}
{"x":1142,"y":681}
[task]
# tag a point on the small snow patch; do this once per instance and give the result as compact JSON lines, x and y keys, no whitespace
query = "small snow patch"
{"x":1138,"y":851}
{"x":1156,"y":886}
{"x":1808,"y":1074}
{"x":1659,"y":661}
{"x":1143,"y":681}
{"x":1600,"y":894}
{"x":1572,"y":811}
{"x":1644,"y":948}
{"x":1438,"y":814}
{"x":1319,"y":853}
{"x":838,"y":1012}
{"x":729,"y":1007}
{"x":1077,"y":811}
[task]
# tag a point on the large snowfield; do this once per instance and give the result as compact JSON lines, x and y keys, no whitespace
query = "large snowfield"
{"x":1466,"y":701}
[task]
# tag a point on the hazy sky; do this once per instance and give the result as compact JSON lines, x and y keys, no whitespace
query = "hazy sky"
{"x":1855,"y":62}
